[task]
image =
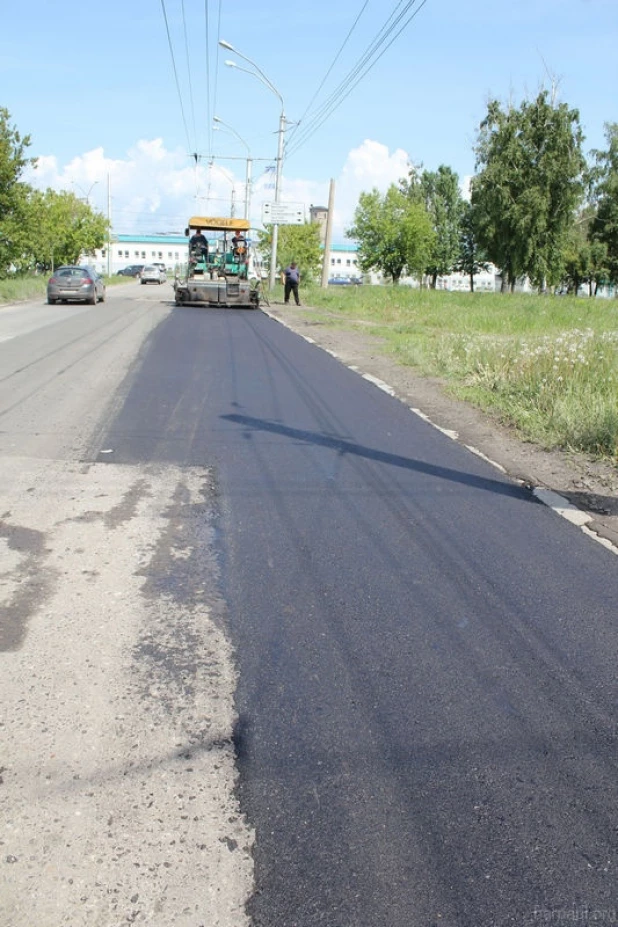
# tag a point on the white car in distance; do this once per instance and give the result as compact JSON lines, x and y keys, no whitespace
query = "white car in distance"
{"x":152,"y":274}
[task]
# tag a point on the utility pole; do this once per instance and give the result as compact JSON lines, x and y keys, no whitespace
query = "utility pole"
{"x":248,"y":190}
{"x":275,"y":239}
{"x":328,"y":235}
{"x":109,"y":226}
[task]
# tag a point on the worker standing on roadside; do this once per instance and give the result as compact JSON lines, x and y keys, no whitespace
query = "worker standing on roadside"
{"x":292,"y":279}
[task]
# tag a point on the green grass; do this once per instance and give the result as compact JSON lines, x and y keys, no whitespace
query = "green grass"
{"x":17,"y":289}
{"x":545,"y":365}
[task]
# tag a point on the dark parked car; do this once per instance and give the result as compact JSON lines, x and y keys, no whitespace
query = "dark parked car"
{"x":133,"y":270}
{"x":71,"y":282}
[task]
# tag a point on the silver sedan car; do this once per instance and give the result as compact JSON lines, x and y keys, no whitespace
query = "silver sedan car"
{"x":153,"y":274}
{"x":71,"y":282}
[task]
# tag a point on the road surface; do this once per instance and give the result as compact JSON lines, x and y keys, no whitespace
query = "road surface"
{"x":423,"y":655}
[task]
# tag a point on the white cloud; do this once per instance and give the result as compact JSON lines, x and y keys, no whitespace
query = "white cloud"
{"x":368,"y":166}
{"x":154,"y":189}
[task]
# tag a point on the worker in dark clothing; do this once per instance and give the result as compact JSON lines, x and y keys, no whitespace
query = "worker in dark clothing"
{"x":198,"y":245}
{"x":239,"y":246}
{"x":292,"y":279}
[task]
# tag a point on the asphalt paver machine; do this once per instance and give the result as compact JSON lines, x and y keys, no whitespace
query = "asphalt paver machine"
{"x":217,"y":275}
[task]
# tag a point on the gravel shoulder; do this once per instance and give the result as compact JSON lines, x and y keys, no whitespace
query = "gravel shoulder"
{"x":591,"y":486}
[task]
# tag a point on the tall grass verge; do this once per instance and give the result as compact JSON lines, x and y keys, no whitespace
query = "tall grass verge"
{"x":17,"y":289}
{"x":546,"y":365}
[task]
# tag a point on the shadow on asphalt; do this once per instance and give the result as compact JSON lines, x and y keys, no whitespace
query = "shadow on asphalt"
{"x":395,"y":460}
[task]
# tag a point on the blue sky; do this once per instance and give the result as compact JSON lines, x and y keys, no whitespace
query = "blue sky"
{"x":103,"y":95}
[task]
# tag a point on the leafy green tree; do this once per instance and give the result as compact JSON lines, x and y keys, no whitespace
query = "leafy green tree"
{"x":300,"y":243}
{"x":600,"y":272}
{"x":604,"y":228}
{"x":440,"y":193}
{"x":471,"y":258}
{"x":496,"y":190}
{"x":577,"y":257}
{"x":585,"y":258}
{"x":394,"y":233}
{"x":13,"y":194}
{"x":63,"y":228}
{"x":528,"y":186}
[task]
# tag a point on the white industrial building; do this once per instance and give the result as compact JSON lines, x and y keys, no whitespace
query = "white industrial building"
{"x":171,"y":250}
{"x":140,"y":249}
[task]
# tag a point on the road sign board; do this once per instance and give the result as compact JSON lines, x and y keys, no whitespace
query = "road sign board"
{"x":283,"y":213}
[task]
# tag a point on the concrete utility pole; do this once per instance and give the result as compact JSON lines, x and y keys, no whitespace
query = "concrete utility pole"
{"x":275,"y":240}
{"x":328,"y":235}
{"x":109,"y":226}
{"x":248,"y":190}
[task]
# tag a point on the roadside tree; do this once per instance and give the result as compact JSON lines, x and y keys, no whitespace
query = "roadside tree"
{"x":585,"y":258}
{"x":14,"y":195}
{"x":394,"y":233}
{"x":471,"y":258}
{"x":440,"y":193}
{"x":528,"y":187}
{"x":63,"y":228}
{"x":300,"y":243}
{"x":604,"y":227}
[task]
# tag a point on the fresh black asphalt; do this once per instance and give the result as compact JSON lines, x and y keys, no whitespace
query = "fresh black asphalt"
{"x":427,"y":656}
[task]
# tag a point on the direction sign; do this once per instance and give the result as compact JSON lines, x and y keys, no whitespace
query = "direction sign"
{"x":283,"y":213}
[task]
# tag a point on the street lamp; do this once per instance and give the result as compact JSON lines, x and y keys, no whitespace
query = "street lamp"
{"x":279,"y":164}
{"x":249,"y":162}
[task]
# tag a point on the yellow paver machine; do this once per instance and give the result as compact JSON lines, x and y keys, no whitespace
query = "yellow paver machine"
{"x":218,"y":262}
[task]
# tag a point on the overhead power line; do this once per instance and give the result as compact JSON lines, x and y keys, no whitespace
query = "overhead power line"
{"x":184,"y":29}
{"x":169,"y":41}
{"x":325,"y":78}
{"x":208,"y":110}
{"x":365,"y":64}
{"x":214,"y":99}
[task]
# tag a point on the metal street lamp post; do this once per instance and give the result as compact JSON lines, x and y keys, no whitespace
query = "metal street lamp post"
{"x":259,"y":74}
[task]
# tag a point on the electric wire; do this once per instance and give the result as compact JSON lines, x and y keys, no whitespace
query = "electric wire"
{"x":214,"y":101}
{"x":186,"y":38}
{"x":364,"y":58}
{"x":356,"y":73}
{"x":326,"y":76}
{"x":216,"y":88}
{"x":208,"y":111}
{"x":169,"y":41}
{"x":361,"y":69}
